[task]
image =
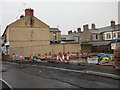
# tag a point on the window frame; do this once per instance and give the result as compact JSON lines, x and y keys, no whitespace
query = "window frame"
{"x":114,"y":35}
{"x":54,"y":36}
{"x":108,"y":36}
{"x":118,"y":34}
{"x":97,"y":37}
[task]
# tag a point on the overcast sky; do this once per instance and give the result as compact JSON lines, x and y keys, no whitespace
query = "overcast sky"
{"x":68,"y":15}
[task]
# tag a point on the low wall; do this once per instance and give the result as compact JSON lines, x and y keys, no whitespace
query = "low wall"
{"x":45,"y":49}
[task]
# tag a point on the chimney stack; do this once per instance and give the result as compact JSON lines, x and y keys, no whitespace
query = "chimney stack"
{"x":93,"y":26}
{"x":79,"y":30}
{"x":74,"y":31}
{"x":69,"y":32}
{"x":21,"y":16}
{"x":29,"y":12}
{"x":112,"y":23}
{"x":85,"y":27}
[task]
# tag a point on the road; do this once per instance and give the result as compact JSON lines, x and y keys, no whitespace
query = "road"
{"x":27,"y":76}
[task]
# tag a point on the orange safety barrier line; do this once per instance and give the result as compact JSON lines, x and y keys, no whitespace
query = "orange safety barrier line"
{"x":118,"y":46}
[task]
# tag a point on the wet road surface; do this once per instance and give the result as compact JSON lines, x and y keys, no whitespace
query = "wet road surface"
{"x":22,"y":76}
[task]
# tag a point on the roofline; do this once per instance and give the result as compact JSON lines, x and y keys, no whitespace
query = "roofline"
{"x":42,"y":21}
{"x":103,"y":31}
{"x":5,"y":30}
{"x":55,"y":31}
{"x":52,"y":28}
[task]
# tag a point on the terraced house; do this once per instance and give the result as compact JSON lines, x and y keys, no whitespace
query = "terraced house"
{"x":99,"y":36}
{"x":29,"y":35}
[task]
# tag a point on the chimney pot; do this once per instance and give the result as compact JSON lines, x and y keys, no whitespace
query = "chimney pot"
{"x":112,"y":23}
{"x":85,"y":27}
{"x":69,"y":32}
{"x":74,"y":31}
{"x":93,"y":26}
{"x":79,"y":30}
{"x":29,"y":12}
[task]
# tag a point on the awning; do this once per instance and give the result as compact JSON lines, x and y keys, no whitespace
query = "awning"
{"x":101,"y":44}
{"x":104,"y":44}
{"x":116,"y":40}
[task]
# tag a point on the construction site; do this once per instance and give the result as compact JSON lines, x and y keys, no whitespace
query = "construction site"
{"x":32,"y":52}
{"x":30,"y":39}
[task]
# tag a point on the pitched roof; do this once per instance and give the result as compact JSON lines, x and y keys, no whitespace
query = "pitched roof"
{"x":18,"y":23}
{"x":5,"y":30}
{"x":105,"y":29}
{"x":77,"y":34}
{"x":64,"y":36}
{"x":54,"y":30}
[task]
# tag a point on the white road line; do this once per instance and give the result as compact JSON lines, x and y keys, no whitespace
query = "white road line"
{"x":6,"y":83}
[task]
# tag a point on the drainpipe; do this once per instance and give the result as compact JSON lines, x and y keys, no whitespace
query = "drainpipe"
{"x":63,"y":47}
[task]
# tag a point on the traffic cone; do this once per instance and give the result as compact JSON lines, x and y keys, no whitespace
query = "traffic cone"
{"x":21,"y":58}
{"x":68,"y":60}
{"x":30,"y":58}
{"x":63,"y":57}
{"x":57,"y":60}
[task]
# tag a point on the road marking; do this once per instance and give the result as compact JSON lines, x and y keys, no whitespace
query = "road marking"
{"x":6,"y":83}
{"x":78,"y":71}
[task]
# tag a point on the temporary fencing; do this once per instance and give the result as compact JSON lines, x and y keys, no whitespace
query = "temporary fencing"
{"x":66,"y":57}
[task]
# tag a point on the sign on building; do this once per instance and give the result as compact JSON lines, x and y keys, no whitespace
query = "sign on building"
{"x":113,"y":45}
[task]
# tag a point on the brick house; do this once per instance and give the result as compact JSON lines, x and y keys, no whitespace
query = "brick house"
{"x":100,"y":35}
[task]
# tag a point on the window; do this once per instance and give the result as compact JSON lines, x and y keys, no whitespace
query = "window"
{"x":118,"y":34}
{"x":108,"y":36}
{"x":54,"y":36}
{"x":114,"y":35}
{"x":97,"y":36}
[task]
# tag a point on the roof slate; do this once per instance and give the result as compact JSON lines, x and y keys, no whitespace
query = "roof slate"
{"x":77,"y":34}
{"x":54,"y":30}
{"x":105,"y":29}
